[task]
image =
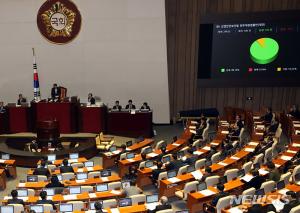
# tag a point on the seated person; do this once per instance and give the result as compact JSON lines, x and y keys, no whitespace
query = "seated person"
{"x":55,"y":92}
{"x":132,"y":174}
{"x":66,"y":168}
{"x":54,"y":183}
{"x":208,"y":173}
{"x":213,"y":150}
{"x":200,"y":128}
{"x":98,"y":207}
{"x":175,"y":164}
{"x":132,"y":189}
{"x":258,"y":208}
{"x":91,"y":99}
{"x":43,"y":195}
{"x":117,"y":106}
{"x":293,"y":201}
{"x":270,"y":130}
{"x":163,"y":150}
{"x":21,"y":100}
{"x":267,"y":118}
{"x":156,"y":172}
{"x":273,"y":172}
{"x":130,"y":105}
{"x":145,"y":106}
{"x":191,"y":159}
{"x":2,"y":109}
{"x":236,"y":127}
{"x":256,"y":181}
{"x":33,"y":146}
{"x":144,"y":156}
{"x":294,"y":111}
{"x":164,"y":204}
{"x":42,"y":170}
{"x":220,"y":195}
{"x":15,"y":199}
{"x":227,"y":147}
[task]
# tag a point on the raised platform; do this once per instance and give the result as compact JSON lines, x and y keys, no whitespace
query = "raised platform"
{"x":14,"y":145}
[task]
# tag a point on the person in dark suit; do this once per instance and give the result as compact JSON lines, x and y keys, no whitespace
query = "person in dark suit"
{"x":130,"y":105}
{"x":274,"y":174}
{"x":164,"y":204}
{"x":293,"y":201}
{"x":238,"y":125}
{"x":43,"y":195}
{"x":42,"y":170}
{"x":117,"y":106}
{"x":213,"y":150}
{"x":15,"y":199}
{"x":55,"y":92}
{"x":268,"y":116}
{"x":208,"y":173}
{"x":175,"y":164}
{"x":98,"y":207}
{"x":65,"y":168}
{"x":21,"y":100}
{"x":91,"y":99}
{"x":200,"y":128}
{"x":294,"y":111}
{"x":145,"y":106}
{"x":33,"y":146}
{"x":156,"y":172}
{"x":131,"y":175}
{"x":258,"y":208}
{"x":220,"y":195}
{"x":256,"y":181}
{"x":54,"y":183}
{"x":2,"y":109}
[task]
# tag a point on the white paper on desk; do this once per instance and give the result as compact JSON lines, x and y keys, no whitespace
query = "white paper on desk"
{"x":90,"y":168}
{"x":73,"y":160}
{"x":194,"y":122}
{"x":70,"y":197}
{"x":151,"y":206}
{"x":296,"y":125}
{"x":193,"y":131}
{"x":153,"y":167}
{"x":152,"y":154}
{"x":234,"y":158}
{"x":92,"y":195}
{"x":259,"y":133}
{"x":225,"y":132}
{"x":115,"y":192}
{"x":296,"y":145}
{"x":222,"y":164}
{"x":108,"y":153}
{"x":7,"y":197}
{"x":263,"y":172}
{"x":79,"y":181}
{"x":131,"y":160}
{"x":291,"y":151}
{"x":197,"y":174}
{"x":176,"y":144}
{"x":21,"y":184}
{"x":284,"y":157}
{"x":192,"y":127}
{"x":225,"y":124}
{"x":114,"y":210}
{"x":256,"y":117}
{"x":80,"y":170}
{"x":253,"y":143}
{"x":278,"y":205}
{"x":127,"y":149}
{"x":215,"y":144}
{"x":104,"y":179}
{"x":206,"y":148}
{"x":297,"y":132}
{"x":207,"y":192}
{"x":260,"y":126}
{"x":257,"y":122}
{"x":174,"y":180}
{"x":118,"y":151}
{"x":283,"y":191}
{"x":296,"y":122}
{"x":2,"y":161}
{"x":247,"y":178}
{"x":235,"y":210}
{"x":249,"y":150}
{"x":197,"y":153}
{"x":277,"y":165}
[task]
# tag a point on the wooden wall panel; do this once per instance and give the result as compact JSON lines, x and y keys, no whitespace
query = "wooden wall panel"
{"x":183,"y":21}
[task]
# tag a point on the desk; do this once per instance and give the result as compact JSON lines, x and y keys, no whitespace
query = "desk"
{"x":109,"y":158}
{"x":96,"y":168}
{"x":64,"y":113}
{"x":92,"y":119}
{"x":2,"y":179}
{"x":128,"y":209}
{"x":3,"y":123}
{"x":130,"y":125}
{"x":11,"y":166}
{"x":19,"y":119}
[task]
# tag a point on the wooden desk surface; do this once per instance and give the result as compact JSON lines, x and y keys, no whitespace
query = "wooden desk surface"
{"x":9,"y":162}
{"x":76,"y":170}
{"x":128,"y":209}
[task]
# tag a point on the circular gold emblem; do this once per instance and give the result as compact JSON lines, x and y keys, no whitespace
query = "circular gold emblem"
{"x":59,"y":21}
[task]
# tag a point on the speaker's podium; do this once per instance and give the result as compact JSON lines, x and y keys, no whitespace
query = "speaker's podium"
{"x":48,"y":132}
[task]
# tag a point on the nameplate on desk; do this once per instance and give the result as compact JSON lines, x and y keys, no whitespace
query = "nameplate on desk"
{"x":194,"y":122}
{"x":152,"y":155}
{"x":297,"y":132}
{"x":234,"y":158}
{"x":256,"y":117}
{"x":104,"y":179}
{"x":296,"y":145}
{"x":73,"y":160}
{"x":284,"y":157}
{"x":296,"y":122}
{"x":192,"y":127}
{"x":70,"y":197}
{"x":225,"y":132}
{"x":131,"y":160}
{"x":22,"y":185}
{"x":80,"y":170}
{"x":291,"y":151}
{"x":222,"y":164}
{"x":259,"y":133}
{"x":207,"y":192}
{"x":127,"y":149}
{"x":215,"y":144}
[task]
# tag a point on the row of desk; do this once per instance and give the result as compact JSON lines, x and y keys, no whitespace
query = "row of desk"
{"x":75,"y":118}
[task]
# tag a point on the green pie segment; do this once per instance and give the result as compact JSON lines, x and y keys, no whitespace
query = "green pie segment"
{"x":264,"y":50}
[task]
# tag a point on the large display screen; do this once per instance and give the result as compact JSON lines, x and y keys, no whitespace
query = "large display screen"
{"x":250,"y":51}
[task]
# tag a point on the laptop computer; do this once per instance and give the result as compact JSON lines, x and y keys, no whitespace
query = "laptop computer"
{"x":6,"y":209}
{"x":128,"y":143}
{"x":151,"y":201}
{"x":102,"y":187}
{"x":280,"y":185}
{"x":130,"y":155}
{"x":171,"y":174}
{"x":49,"y":191}
{"x":112,"y":148}
{"x":149,"y":164}
{"x":5,"y":156}
{"x":89,"y":164}
{"x":66,"y":207}
{"x":260,"y":192}
{"x":51,"y":157}
{"x":165,"y":159}
{"x":105,"y":173}
{"x":37,"y":208}
{"x":191,"y":168}
{"x":82,"y":176}
{"x":125,"y":202}
{"x":75,"y":190}
{"x":241,"y":173}
{"x":73,"y":156}
{"x":22,"y":192}
{"x":148,"y":150}
{"x":32,"y":178}
{"x":125,"y":184}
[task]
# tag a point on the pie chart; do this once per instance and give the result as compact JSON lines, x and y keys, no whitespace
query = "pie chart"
{"x":264,"y":50}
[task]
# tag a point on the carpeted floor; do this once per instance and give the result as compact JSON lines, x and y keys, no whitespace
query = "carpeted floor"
{"x":163,"y":132}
